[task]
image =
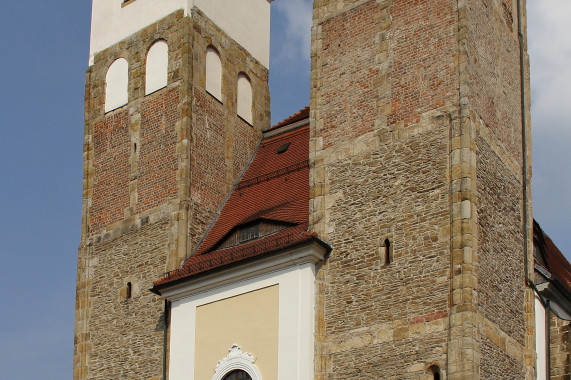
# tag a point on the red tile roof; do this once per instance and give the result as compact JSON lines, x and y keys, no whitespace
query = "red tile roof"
{"x":300,"y":115}
{"x":274,"y":187}
{"x":556,"y":263}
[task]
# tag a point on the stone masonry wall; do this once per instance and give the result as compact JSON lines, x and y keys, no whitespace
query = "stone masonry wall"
{"x":127,"y":333}
{"x":416,"y":137}
{"x":117,"y":337}
{"x":501,"y":244}
{"x":505,"y":303}
{"x":382,"y":105}
{"x":501,"y":269}
{"x":493,"y":50}
{"x":560,"y":347}
{"x":155,"y":172}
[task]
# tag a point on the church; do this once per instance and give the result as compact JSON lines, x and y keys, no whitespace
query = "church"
{"x":383,"y":232}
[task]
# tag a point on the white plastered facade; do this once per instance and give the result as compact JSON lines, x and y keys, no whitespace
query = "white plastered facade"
{"x":294,"y":274}
{"x":245,"y":21}
{"x":540,"y":340}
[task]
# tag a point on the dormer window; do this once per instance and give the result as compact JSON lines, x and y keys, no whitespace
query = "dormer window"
{"x":283,"y":148}
{"x":249,"y":233}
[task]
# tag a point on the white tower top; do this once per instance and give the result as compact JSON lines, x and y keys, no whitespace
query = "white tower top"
{"x":245,"y":21}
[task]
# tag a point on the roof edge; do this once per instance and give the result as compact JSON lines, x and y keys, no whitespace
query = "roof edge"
{"x":312,"y":250}
{"x":217,"y":215}
{"x":286,"y":128}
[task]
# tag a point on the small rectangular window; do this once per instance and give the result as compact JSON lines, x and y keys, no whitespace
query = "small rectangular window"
{"x":249,"y":233}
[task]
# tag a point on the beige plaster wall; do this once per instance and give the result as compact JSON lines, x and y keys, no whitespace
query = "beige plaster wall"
{"x":249,"y":320}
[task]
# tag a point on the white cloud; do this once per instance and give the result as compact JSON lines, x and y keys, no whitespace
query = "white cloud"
{"x":295,"y":22}
{"x":550,"y":50}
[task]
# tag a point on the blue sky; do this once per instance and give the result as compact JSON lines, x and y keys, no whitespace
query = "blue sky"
{"x":43,"y":57}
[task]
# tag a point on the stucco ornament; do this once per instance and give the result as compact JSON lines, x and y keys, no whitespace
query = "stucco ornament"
{"x":236,"y":359}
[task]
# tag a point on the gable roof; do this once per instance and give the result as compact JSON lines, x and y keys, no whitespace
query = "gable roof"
{"x":549,"y":257}
{"x":298,"y":116}
{"x":275,"y":188}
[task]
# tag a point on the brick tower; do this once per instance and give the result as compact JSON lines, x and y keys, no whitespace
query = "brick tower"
{"x":419,"y":181}
{"x":176,"y":98}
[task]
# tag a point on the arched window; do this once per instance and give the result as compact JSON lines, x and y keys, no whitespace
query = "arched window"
{"x":213,"y":73}
{"x":238,"y":375}
{"x":244,"y":107}
{"x":237,"y":365}
{"x":156,"y":76}
{"x":117,"y":85}
{"x":434,"y":371}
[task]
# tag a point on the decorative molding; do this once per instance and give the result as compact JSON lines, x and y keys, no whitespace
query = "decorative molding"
{"x":236,"y":360}
{"x":310,"y":252}
{"x":235,"y":352}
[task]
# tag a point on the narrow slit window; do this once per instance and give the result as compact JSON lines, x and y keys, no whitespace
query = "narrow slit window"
{"x":388,"y":252}
{"x":129,"y":292}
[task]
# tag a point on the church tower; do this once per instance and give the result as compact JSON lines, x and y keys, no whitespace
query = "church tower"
{"x":176,"y":99}
{"x":419,"y":157}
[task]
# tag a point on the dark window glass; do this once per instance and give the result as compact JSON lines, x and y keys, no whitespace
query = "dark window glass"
{"x":249,"y":233}
{"x":388,"y":253}
{"x":237,"y":375}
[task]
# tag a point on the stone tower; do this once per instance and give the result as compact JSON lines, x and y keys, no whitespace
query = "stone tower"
{"x":176,"y":98}
{"x":420,"y":182}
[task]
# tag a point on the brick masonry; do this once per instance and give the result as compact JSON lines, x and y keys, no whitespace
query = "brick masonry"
{"x":416,"y":137}
{"x":152,"y":186}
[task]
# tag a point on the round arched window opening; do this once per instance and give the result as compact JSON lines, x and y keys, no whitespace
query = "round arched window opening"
{"x":434,"y":370}
{"x":238,"y":375}
{"x":237,"y":365}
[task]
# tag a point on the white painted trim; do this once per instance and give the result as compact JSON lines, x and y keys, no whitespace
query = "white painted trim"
{"x":285,"y":128}
{"x":236,"y":360}
{"x":540,"y":339}
{"x":294,"y":273}
{"x":311,"y":252}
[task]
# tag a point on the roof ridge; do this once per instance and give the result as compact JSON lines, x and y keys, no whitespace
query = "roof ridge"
{"x":299,"y":115}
